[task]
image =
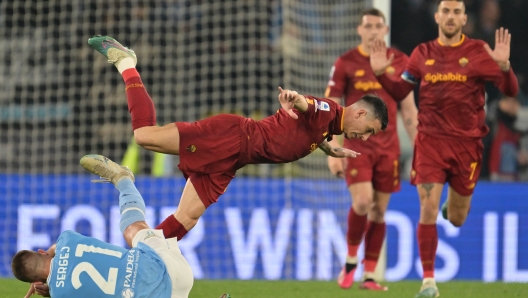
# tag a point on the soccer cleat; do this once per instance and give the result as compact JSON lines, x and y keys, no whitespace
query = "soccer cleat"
{"x":346,"y":280}
{"x":226,"y":295}
{"x":108,"y":170}
{"x":372,"y":286}
{"x":111,"y":49}
{"x":444,"y":210}
{"x":429,"y":292}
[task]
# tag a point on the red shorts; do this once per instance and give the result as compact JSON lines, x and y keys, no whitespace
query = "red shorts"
{"x":441,"y":160}
{"x":381,"y":168}
{"x":209,"y":154}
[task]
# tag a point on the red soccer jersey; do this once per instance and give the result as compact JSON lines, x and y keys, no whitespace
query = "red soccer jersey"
{"x":451,"y":99}
{"x":353,"y":77}
{"x":280,"y":138}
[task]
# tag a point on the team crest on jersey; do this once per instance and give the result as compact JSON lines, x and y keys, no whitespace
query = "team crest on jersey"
{"x":359,"y":73}
{"x":191,"y":148}
{"x":429,"y":62}
{"x":313,"y":147}
{"x":390,"y":70}
{"x":321,"y":105}
{"x":463,"y":61}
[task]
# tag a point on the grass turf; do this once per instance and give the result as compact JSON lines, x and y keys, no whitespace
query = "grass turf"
{"x":10,"y":288}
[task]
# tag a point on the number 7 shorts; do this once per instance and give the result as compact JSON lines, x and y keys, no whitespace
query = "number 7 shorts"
{"x":442,"y":159}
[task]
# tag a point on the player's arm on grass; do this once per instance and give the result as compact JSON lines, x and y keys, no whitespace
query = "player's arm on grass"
{"x":409,"y":114}
{"x":506,"y":80}
{"x":399,"y":88}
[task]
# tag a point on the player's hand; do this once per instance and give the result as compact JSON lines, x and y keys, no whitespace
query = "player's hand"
{"x":31,"y":291}
{"x":501,"y":53}
{"x":343,"y":152}
{"x":42,"y":289}
{"x":287,"y":100}
{"x":378,"y":57}
{"x":337,"y":166}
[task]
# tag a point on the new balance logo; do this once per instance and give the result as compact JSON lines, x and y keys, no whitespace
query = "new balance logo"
{"x":429,"y":62}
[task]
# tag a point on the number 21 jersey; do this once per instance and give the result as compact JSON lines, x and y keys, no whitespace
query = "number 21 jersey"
{"x":87,"y":267}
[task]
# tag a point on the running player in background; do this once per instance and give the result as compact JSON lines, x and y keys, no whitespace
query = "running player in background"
{"x":451,"y":71}
{"x":213,"y":149}
{"x":80,"y":266}
{"x":372,"y":178}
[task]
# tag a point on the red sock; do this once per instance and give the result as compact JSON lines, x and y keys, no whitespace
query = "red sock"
{"x":140,"y":104}
{"x":427,"y":242}
{"x":172,"y":228}
{"x":373,"y":241}
{"x":356,"y":229}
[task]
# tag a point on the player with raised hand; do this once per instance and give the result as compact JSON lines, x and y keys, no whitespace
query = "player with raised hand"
{"x":213,"y":149}
{"x":372,"y":178}
{"x":80,"y":266}
{"x":451,"y":71}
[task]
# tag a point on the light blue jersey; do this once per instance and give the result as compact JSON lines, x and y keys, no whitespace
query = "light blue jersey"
{"x":87,"y":267}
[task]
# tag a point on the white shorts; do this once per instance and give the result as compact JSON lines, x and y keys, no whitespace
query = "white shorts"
{"x":179,"y":270}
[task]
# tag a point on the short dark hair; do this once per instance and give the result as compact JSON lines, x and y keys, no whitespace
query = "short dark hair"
{"x":372,"y":12}
{"x":24,"y":266}
{"x":440,"y":1}
{"x":379,"y":108}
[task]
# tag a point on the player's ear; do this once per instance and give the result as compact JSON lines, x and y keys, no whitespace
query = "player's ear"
{"x":361,"y":113}
{"x":436,"y":16}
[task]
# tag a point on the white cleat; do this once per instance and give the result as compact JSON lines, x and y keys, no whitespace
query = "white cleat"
{"x":109,"y":171}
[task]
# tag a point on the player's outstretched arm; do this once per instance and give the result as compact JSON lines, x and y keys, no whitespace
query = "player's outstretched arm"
{"x":409,"y":114}
{"x":290,"y":100}
{"x":336,"y":151}
{"x":507,"y":81}
{"x":379,"y":62}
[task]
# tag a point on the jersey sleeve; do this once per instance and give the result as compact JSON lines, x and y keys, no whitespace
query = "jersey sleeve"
{"x":321,"y":112}
{"x":411,"y":73}
{"x":338,"y":79}
{"x":489,"y":70}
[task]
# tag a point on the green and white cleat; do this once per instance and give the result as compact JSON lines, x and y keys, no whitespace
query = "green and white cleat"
{"x":444,"y":210}
{"x":111,"y":49}
{"x":109,"y":171}
{"x":429,"y":292}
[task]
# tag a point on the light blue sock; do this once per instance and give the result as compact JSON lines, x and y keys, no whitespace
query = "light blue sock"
{"x":131,"y":204}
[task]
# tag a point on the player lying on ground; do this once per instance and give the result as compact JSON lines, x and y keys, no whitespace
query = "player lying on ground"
{"x":372,"y":178}
{"x":79,"y":266}
{"x":213,"y":149}
{"x":451,"y":71}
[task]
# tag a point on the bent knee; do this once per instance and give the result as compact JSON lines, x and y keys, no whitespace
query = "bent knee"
{"x":457,"y":221}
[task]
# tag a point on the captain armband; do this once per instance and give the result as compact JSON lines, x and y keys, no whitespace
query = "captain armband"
{"x":408,"y":77}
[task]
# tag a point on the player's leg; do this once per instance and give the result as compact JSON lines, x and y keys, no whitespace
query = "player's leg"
{"x":186,"y":216}
{"x":131,"y":204}
{"x":374,"y":237}
{"x":141,"y":107}
{"x":427,"y":235}
{"x":362,"y":201}
{"x":457,"y":207}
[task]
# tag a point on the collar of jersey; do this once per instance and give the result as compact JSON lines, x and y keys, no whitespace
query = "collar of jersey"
{"x":462,"y":39}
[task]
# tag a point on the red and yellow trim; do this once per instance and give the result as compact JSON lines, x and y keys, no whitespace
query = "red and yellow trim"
{"x":362,"y":51}
{"x":455,"y":44}
{"x":343,"y":120}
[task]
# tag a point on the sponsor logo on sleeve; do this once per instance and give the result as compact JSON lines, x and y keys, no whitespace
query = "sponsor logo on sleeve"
{"x":321,"y":105}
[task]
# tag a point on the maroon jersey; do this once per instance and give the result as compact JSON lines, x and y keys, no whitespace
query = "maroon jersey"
{"x":352,"y":77}
{"x":280,"y":138}
{"x":451,"y":99}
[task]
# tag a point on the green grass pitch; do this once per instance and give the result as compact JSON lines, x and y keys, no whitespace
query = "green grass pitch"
{"x":10,"y":288}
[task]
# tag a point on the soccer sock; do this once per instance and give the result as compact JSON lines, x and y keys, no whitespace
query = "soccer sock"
{"x":131,"y":204}
{"x":356,"y":228}
{"x":427,"y":242}
{"x":171,"y":228}
{"x":125,"y":64}
{"x":373,"y":242}
{"x":140,"y":104}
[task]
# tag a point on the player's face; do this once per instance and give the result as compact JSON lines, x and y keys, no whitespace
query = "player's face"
{"x":363,"y":126}
{"x":371,"y":28}
{"x":450,"y":17}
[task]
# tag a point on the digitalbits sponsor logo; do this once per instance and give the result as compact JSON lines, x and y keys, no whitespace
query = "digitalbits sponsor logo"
{"x":127,"y":293}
